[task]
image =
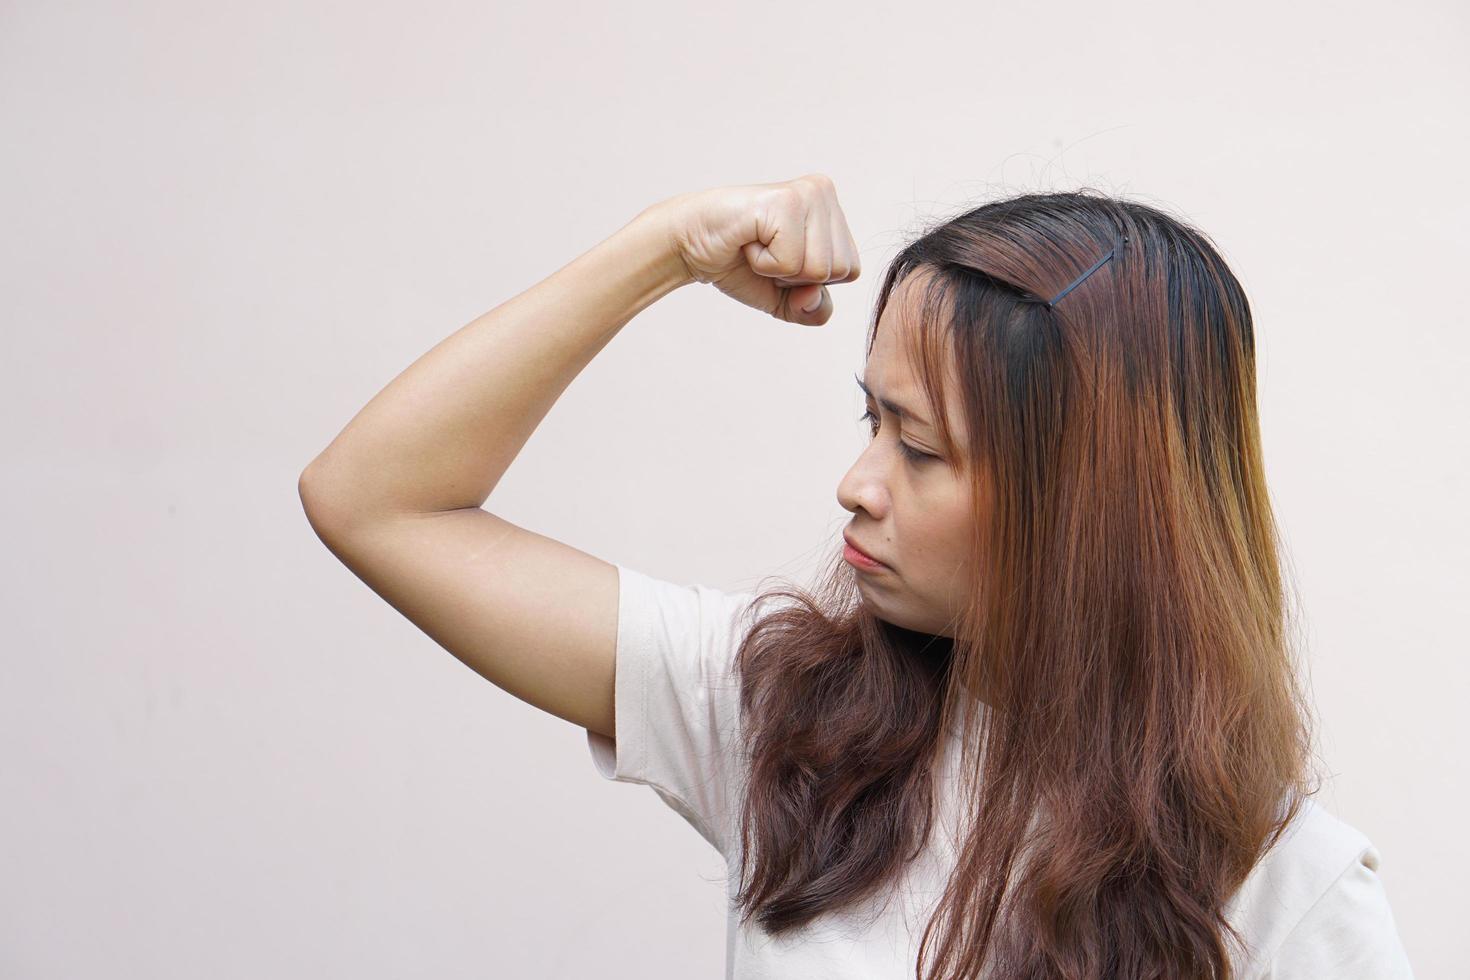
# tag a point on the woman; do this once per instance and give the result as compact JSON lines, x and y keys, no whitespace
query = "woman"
{"x":1039,"y":720}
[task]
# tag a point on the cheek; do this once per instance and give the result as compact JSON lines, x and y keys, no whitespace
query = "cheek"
{"x":952,"y":527}
{"x":942,"y":527}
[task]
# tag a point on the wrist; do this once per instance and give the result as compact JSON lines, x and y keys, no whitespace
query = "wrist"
{"x":654,"y":227}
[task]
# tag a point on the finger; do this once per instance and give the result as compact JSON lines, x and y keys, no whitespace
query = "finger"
{"x":781,"y":242}
{"x":797,"y":296}
{"x":819,"y":252}
{"x":849,"y":261}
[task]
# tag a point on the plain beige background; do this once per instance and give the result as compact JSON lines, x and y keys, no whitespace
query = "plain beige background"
{"x":226,"y":226}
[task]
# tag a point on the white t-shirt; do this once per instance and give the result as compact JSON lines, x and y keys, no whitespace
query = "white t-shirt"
{"x":1313,"y":907}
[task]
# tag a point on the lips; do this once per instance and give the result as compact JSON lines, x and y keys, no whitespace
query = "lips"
{"x":862,"y":551}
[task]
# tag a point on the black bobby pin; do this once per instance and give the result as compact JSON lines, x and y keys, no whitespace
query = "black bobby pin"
{"x":1080,"y":279}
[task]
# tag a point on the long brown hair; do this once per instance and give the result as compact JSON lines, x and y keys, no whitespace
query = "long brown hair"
{"x":1143,"y":738}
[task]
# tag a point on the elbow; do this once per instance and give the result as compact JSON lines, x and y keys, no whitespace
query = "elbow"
{"x":315,"y":500}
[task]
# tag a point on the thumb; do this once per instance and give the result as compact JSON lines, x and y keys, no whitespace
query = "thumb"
{"x":809,"y":301}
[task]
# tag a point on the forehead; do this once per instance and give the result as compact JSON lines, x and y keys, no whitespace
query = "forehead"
{"x":892,"y":365}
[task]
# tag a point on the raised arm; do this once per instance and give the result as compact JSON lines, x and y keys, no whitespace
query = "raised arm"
{"x":440,"y":435}
{"x":397,"y":496}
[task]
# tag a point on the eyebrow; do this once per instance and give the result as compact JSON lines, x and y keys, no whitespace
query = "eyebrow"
{"x":904,"y":414}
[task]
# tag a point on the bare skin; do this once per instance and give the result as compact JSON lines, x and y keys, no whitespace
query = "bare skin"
{"x":913,"y":513}
{"x":397,"y":496}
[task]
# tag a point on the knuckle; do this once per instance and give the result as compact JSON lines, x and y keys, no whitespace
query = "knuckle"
{"x":787,"y":265}
{"x":787,"y":196}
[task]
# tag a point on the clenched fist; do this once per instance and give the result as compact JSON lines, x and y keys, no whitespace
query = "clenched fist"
{"x":770,"y":246}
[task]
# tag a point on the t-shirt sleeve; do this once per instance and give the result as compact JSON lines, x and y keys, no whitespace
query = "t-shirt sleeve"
{"x":676,"y":698}
{"x":1349,"y":934}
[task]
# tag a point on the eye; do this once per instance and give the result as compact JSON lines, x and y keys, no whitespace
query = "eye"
{"x":914,"y":455}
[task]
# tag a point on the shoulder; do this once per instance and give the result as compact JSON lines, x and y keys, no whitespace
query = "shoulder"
{"x":692,"y":606}
{"x":1317,"y":893}
{"x":677,"y":697}
{"x":660,"y":614}
{"x":1315,"y":848}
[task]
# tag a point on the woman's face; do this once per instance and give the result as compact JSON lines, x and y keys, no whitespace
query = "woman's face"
{"x":912,"y":513}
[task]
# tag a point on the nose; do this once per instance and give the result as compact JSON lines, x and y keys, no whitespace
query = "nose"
{"x":863,"y":486}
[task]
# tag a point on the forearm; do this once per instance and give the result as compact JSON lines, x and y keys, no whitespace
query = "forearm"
{"x":441,"y":434}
